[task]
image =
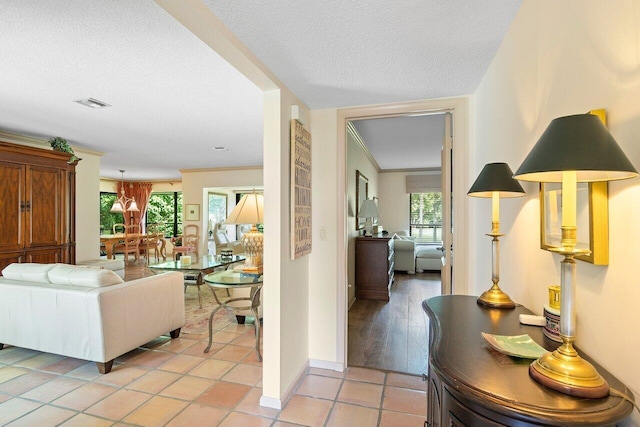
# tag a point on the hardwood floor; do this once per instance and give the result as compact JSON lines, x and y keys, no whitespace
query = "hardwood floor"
{"x":393,"y":335}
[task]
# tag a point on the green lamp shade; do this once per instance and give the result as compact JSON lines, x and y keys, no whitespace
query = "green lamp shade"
{"x":578,"y":143}
{"x":496,"y":177}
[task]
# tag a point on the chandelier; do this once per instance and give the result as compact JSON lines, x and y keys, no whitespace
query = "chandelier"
{"x":124,"y":203}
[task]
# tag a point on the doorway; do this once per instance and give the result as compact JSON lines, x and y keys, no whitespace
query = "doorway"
{"x":403,"y":156}
{"x":448,"y":107}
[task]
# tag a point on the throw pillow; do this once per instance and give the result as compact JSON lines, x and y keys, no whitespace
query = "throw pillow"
{"x":28,"y":272}
{"x":87,"y":276}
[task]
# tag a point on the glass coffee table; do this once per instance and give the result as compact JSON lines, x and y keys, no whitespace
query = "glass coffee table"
{"x":234,"y":279}
{"x":197,"y":268}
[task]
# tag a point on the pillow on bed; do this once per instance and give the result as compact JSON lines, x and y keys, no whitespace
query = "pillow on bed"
{"x":28,"y":272}
{"x":88,"y":276}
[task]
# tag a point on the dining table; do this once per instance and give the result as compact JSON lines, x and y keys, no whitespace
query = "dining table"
{"x":110,"y":240}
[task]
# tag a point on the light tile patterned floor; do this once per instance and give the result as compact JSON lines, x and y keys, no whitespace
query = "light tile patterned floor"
{"x":173,"y":383}
{"x":167,"y":383}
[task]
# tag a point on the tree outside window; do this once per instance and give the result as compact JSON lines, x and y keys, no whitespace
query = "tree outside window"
{"x":165,"y":209}
{"x":108,"y":218}
{"x":425,"y":216}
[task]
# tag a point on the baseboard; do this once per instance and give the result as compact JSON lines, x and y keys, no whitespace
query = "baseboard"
{"x":323,"y":364}
{"x":272,"y":402}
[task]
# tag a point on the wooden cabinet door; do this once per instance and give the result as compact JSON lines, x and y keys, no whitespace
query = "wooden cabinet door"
{"x":45,"y":207}
{"x":12,"y":194}
{"x":46,"y":255}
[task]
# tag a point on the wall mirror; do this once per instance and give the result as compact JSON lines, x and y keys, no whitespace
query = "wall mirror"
{"x":362,"y":193}
{"x":592,"y":219}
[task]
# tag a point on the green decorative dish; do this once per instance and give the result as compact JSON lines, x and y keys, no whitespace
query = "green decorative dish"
{"x":515,"y":345}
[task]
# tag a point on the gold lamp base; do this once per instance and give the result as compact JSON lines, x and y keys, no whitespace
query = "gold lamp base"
{"x":495,"y":298}
{"x":565,"y":371}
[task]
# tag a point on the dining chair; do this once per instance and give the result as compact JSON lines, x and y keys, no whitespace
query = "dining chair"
{"x":131,"y":246}
{"x":188,"y":241}
{"x":151,"y":242}
{"x":132,"y":229}
{"x":118,"y":228}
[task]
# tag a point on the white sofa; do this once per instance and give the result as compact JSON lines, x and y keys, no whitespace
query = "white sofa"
{"x":404,"y":254}
{"x":429,"y":257}
{"x":86,"y":312}
{"x":115,"y":265}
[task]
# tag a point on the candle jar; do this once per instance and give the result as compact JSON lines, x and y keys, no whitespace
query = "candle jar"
{"x":554,"y":296}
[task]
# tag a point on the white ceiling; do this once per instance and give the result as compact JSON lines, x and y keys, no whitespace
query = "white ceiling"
{"x":173,"y":99}
{"x":406,"y":142}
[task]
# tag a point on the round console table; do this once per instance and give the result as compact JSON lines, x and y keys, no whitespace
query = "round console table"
{"x":471,"y":384}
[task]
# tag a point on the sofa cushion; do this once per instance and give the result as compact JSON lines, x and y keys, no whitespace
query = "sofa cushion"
{"x":108,"y":264}
{"x":87,"y":276}
{"x":28,"y":272}
{"x":429,"y":251}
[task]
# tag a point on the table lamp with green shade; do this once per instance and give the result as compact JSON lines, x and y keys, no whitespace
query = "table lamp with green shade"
{"x":495,"y":181}
{"x":572,"y":149}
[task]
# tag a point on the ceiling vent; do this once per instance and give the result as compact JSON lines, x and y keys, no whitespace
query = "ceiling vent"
{"x":92,"y":103}
{"x":220,"y":149}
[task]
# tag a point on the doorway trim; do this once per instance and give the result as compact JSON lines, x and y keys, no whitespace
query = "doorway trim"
{"x":459,"y":107}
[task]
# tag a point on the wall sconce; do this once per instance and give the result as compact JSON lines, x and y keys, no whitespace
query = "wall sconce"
{"x":496,"y":181}
{"x":572,"y":149}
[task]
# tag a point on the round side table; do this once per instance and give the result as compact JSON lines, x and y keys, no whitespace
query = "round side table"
{"x":232,"y":279}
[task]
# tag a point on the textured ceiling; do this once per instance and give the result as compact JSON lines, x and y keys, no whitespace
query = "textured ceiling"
{"x":173,"y":99}
{"x":408,"y":142}
{"x":336,"y":53}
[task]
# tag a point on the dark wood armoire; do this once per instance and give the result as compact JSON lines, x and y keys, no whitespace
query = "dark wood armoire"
{"x":37,"y":205}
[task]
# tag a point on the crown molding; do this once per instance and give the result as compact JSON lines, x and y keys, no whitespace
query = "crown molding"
{"x":351,"y":129}
{"x":42,"y":143}
{"x":223,"y":169}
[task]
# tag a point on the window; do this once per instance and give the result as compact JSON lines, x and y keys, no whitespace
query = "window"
{"x":425,"y":216}
{"x":165,"y":209}
{"x":108,"y":218}
{"x":217,"y":210}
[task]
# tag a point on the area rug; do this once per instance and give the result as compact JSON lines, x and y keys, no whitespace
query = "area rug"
{"x":196,"y":318}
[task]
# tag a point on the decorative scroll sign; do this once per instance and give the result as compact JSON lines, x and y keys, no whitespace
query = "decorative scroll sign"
{"x":300,"y":190}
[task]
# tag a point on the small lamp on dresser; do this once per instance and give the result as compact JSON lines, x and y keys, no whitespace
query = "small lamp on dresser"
{"x":369,"y":211}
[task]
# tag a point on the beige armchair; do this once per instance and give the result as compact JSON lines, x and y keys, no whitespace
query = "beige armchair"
{"x":221,"y":239}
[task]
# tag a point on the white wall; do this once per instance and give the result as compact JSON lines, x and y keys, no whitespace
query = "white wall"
{"x":323,"y":299}
{"x":111,"y":186}
{"x":195,"y":185}
{"x":357,"y":160}
{"x":87,"y":205}
{"x":285,"y":292}
{"x":562,"y":58}
{"x":286,"y":295}
{"x":394,"y":199}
